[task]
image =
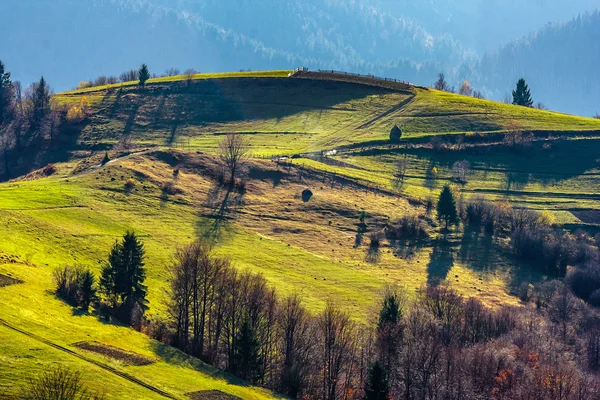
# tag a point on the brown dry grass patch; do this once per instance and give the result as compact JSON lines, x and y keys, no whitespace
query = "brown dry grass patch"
{"x":127,"y":357}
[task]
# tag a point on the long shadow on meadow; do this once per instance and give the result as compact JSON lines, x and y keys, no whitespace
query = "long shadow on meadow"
{"x":173,"y":356}
{"x":440,"y":263}
{"x":220,"y":207}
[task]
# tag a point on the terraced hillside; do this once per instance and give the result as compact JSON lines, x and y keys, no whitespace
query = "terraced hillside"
{"x":315,"y":246}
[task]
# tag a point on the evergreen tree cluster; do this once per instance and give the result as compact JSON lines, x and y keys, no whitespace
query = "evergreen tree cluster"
{"x":122,"y":279}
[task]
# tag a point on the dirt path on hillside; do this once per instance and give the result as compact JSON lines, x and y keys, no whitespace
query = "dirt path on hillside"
{"x":89,"y":360}
{"x":114,"y":160}
{"x":392,"y":110}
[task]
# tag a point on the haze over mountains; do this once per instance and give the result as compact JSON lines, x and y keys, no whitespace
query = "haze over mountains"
{"x":490,"y":43}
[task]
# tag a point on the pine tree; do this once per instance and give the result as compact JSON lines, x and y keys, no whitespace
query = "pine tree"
{"x":522,"y":94}
{"x":143,"y":75}
{"x":5,"y":94}
{"x":122,"y":280}
{"x":446,"y":207}
{"x":88,"y":291}
{"x":41,"y":102}
{"x":247,"y":358}
{"x":377,"y":387}
{"x":390,"y":311}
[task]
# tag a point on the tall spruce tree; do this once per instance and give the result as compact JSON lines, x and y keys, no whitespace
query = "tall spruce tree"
{"x":247,"y":356}
{"x":390,"y":311}
{"x":446,"y":207}
{"x":143,"y":75}
{"x":522,"y":94}
{"x":41,"y":102}
{"x":122,"y":280}
{"x":88,"y":291}
{"x":5,"y":94}
{"x":377,"y":386}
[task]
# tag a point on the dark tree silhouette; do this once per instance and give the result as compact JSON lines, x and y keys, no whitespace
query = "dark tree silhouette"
{"x":441,"y":83}
{"x":122,"y":280}
{"x":390,"y":311}
{"x":377,"y":387}
{"x":88,"y":291}
{"x":522,"y":94}
{"x":247,"y":359}
{"x":395,"y":134}
{"x":5,"y":95}
{"x":40,"y":102}
{"x":143,"y":75}
{"x":446,"y":207}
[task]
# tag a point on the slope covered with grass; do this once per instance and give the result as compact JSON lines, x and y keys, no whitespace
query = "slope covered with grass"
{"x":315,"y":248}
{"x":288,"y":115}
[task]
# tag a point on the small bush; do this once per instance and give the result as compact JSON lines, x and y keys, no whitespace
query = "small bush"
{"x":240,"y":186}
{"x":49,"y":169}
{"x":170,"y":188}
{"x":75,"y":115}
{"x":429,"y":204}
{"x":59,"y":383}
{"x":130,"y":184}
{"x":75,"y":285}
{"x":525,"y":292}
{"x":376,"y":239}
{"x":546,"y":249}
{"x":584,"y":281}
{"x":408,"y":228}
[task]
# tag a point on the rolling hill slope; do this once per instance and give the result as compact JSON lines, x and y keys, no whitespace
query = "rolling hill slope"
{"x":312,"y":247}
{"x":302,"y":113}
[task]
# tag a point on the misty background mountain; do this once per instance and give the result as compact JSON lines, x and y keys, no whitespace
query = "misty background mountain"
{"x":553,"y":44}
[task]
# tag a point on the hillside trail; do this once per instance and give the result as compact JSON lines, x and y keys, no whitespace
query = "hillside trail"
{"x":386,"y":113}
{"x":105,"y":367}
{"x":114,"y":160}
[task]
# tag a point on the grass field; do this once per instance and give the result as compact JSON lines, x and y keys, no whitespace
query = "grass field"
{"x":313,"y":248}
{"x":285,"y":116}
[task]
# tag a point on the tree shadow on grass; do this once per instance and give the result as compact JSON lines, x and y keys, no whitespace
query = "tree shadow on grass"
{"x":220,"y":206}
{"x":407,"y":249}
{"x":477,"y":250}
{"x":373,"y":255}
{"x":171,"y":355}
{"x":440,"y":263}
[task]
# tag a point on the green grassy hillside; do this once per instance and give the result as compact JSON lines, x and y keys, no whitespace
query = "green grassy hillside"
{"x":314,"y":248}
{"x":287,"y":115}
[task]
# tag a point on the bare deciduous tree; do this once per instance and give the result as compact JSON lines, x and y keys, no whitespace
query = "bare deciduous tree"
{"x":336,"y":334}
{"x":401,"y":167}
{"x":233,"y":152}
{"x":441,"y":83}
{"x":460,"y":171}
{"x":295,"y":346}
{"x":172,"y":72}
{"x":59,"y":383}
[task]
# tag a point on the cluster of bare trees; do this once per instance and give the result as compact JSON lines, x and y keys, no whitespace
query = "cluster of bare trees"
{"x":132,"y":75}
{"x":439,"y":346}
{"x":465,"y":87}
{"x":26,"y":115}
